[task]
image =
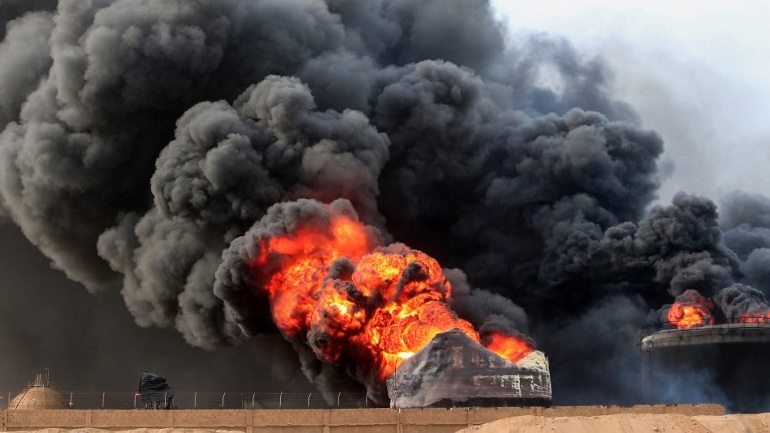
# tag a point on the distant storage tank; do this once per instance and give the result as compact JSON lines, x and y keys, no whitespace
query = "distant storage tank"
{"x":728,"y":364}
{"x":38,"y":395}
{"x":453,"y":370}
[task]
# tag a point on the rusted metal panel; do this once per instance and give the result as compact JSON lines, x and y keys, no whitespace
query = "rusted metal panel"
{"x":453,"y":370}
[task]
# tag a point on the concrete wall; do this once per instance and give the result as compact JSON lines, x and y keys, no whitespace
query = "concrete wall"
{"x":312,"y":420}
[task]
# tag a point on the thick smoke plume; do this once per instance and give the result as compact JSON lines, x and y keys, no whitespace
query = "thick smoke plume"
{"x":143,"y":145}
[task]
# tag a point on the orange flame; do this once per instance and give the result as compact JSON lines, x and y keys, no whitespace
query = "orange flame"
{"x":691,"y":309}
{"x":327,"y":284}
{"x":303,"y":261}
{"x":687,"y":316}
{"x":508,"y":347}
{"x":754,"y":318}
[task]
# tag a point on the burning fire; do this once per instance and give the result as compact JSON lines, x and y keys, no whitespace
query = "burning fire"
{"x":510,"y":348}
{"x":754,"y":318}
{"x":331,"y":283}
{"x":688,"y":316}
{"x":734,"y":304}
{"x":691,"y":309}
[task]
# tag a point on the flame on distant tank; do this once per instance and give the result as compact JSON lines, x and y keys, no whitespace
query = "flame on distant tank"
{"x":755,"y":318}
{"x":691,"y":309}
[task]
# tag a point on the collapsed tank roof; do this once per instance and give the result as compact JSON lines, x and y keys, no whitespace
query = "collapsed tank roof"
{"x":453,"y":370}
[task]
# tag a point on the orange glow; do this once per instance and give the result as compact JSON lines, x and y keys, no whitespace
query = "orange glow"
{"x":303,"y":262}
{"x":755,"y":318}
{"x":329,"y":284}
{"x":687,"y":316}
{"x":509,"y":347}
{"x":691,"y":309}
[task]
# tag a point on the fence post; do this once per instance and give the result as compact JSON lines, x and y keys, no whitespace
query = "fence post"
{"x":252,"y":399}
{"x":280,"y":399}
{"x":223,"y":400}
{"x":135,"y":394}
{"x":338,"y":398}
{"x":195,"y":400}
{"x":308,"y":399}
{"x":103,"y":394}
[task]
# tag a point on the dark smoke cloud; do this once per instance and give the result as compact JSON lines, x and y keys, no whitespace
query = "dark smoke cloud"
{"x":739,"y":300}
{"x":613,"y":326}
{"x":743,"y":208}
{"x":746,"y":221}
{"x":756,"y":270}
{"x":142,"y":142}
{"x":546,"y":74}
{"x":678,"y":247}
{"x":89,"y":343}
{"x":481,"y":306}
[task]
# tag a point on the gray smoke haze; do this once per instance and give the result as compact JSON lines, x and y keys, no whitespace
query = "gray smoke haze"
{"x":90,"y":342}
{"x":144,"y":147}
{"x":740,"y":300}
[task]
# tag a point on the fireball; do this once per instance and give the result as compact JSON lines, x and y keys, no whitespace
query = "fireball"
{"x":332,"y":286}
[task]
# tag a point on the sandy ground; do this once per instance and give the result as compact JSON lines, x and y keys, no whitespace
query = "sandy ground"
{"x":629,"y":423}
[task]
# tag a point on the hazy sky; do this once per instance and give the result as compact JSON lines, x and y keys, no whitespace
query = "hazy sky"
{"x":697,"y":75}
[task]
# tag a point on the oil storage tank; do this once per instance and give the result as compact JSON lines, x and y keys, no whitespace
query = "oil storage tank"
{"x":453,"y":370}
{"x":725,"y":363}
{"x":39,"y":394}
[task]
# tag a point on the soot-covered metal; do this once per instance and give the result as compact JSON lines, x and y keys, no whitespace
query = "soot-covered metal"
{"x":453,"y":370}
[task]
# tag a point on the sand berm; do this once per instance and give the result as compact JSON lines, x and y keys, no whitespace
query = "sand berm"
{"x":629,"y":423}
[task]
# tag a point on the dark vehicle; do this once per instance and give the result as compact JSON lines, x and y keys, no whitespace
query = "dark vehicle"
{"x":155,"y":392}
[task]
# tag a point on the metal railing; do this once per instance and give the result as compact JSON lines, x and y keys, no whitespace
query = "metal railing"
{"x":213,"y":400}
{"x":749,"y":321}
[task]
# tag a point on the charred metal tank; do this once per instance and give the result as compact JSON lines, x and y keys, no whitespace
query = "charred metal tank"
{"x":453,"y":370}
{"x":727,"y":364}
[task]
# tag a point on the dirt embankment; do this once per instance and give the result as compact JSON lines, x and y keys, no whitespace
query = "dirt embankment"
{"x":629,"y":423}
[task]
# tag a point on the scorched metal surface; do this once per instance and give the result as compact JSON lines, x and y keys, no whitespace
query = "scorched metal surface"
{"x":453,"y":370}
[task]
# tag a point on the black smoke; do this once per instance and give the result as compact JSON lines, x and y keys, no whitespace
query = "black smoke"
{"x":142,"y":141}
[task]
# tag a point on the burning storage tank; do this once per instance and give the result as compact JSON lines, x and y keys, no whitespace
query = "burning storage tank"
{"x":453,"y":370}
{"x":362,"y":306}
{"x":702,"y":351}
